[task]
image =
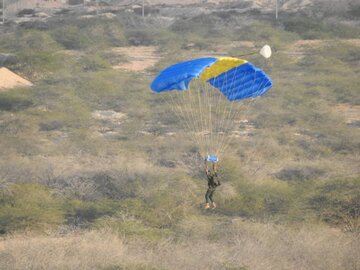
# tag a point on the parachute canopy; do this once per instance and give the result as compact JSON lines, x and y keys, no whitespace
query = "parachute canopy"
{"x":235,"y":78}
{"x":212,"y":96}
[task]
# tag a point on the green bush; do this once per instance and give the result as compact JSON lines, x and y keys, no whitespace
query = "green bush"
{"x":93,"y":62}
{"x":354,"y":10}
{"x":263,"y":32}
{"x":270,"y":200}
{"x":213,"y":27}
{"x":16,"y":100}
{"x":313,"y":28}
{"x":72,"y":38}
{"x":29,"y":40}
{"x":338,"y":202}
{"x":84,"y":213}
{"x":299,"y":174}
{"x":135,"y":218}
{"x":38,"y":65}
{"x":29,"y":206}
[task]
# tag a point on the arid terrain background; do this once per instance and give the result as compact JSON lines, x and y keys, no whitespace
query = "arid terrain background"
{"x":96,"y":172}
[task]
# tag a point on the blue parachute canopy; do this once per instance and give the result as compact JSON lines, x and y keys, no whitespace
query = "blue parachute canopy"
{"x":235,"y":78}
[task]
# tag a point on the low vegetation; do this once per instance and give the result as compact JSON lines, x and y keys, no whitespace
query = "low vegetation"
{"x":85,"y":192}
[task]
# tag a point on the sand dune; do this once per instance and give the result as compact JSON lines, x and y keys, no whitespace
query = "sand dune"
{"x":9,"y":79}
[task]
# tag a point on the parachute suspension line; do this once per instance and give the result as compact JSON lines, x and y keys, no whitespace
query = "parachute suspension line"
{"x":201,"y":113}
{"x":193,"y":108}
{"x":201,"y":124}
{"x":187,"y":114}
{"x":211,"y":119}
{"x":221,"y":121}
{"x":221,"y":114}
{"x":231,"y":117}
{"x":215,"y":99}
{"x":211,"y":116}
{"x":228,"y":114}
{"x":206,"y":131}
{"x":230,"y":139}
{"x":233,"y":114}
{"x":254,"y":145}
{"x":218,"y":119}
{"x":176,"y":107}
{"x":249,"y":107}
{"x":204,"y":100}
{"x":246,"y":113}
{"x":201,"y":94}
{"x":220,"y":100}
{"x":187,"y":107}
{"x":251,"y":103}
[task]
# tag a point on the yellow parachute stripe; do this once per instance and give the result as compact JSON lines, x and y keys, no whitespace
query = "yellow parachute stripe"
{"x":222,"y":65}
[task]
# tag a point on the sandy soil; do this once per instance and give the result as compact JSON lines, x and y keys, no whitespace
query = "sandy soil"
{"x":13,"y":8}
{"x":322,"y":42}
{"x":301,"y":47}
{"x":9,"y":79}
{"x":139,"y":58}
{"x":350,"y":112}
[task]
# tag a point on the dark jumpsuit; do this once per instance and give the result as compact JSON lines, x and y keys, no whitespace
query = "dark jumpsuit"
{"x":212,"y":184}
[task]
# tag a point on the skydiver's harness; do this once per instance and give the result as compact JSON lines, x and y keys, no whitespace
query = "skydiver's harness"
{"x":211,"y":180}
{"x":212,"y":183}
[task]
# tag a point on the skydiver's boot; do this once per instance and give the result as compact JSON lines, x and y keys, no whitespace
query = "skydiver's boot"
{"x":213,"y":205}
{"x":207,"y":206}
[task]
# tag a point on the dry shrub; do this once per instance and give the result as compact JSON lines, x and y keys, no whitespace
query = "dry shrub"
{"x":256,"y":246}
{"x":90,"y":250}
{"x":268,"y":246}
{"x":206,"y":242}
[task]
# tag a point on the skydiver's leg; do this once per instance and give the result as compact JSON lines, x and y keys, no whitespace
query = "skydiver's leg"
{"x":211,"y":193}
{"x":207,"y":198}
{"x":211,"y":198}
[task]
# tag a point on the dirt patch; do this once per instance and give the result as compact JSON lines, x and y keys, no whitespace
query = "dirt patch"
{"x":354,"y":42}
{"x":296,"y":4}
{"x":13,"y":8}
{"x":350,"y":112}
{"x":139,"y":58}
{"x":243,"y":46}
{"x":225,"y":49}
{"x":185,"y":2}
{"x":9,"y":79}
{"x":309,"y":43}
{"x":110,"y":123}
{"x":110,"y":116}
{"x":300,"y":46}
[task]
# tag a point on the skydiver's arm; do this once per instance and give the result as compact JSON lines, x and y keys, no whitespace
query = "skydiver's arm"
{"x":206,"y":167}
{"x":214,"y":168}
{"x":218,"y":181}
{"x":216,"y":175}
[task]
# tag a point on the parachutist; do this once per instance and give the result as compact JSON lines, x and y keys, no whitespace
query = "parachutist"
{"x":213,"y":183}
